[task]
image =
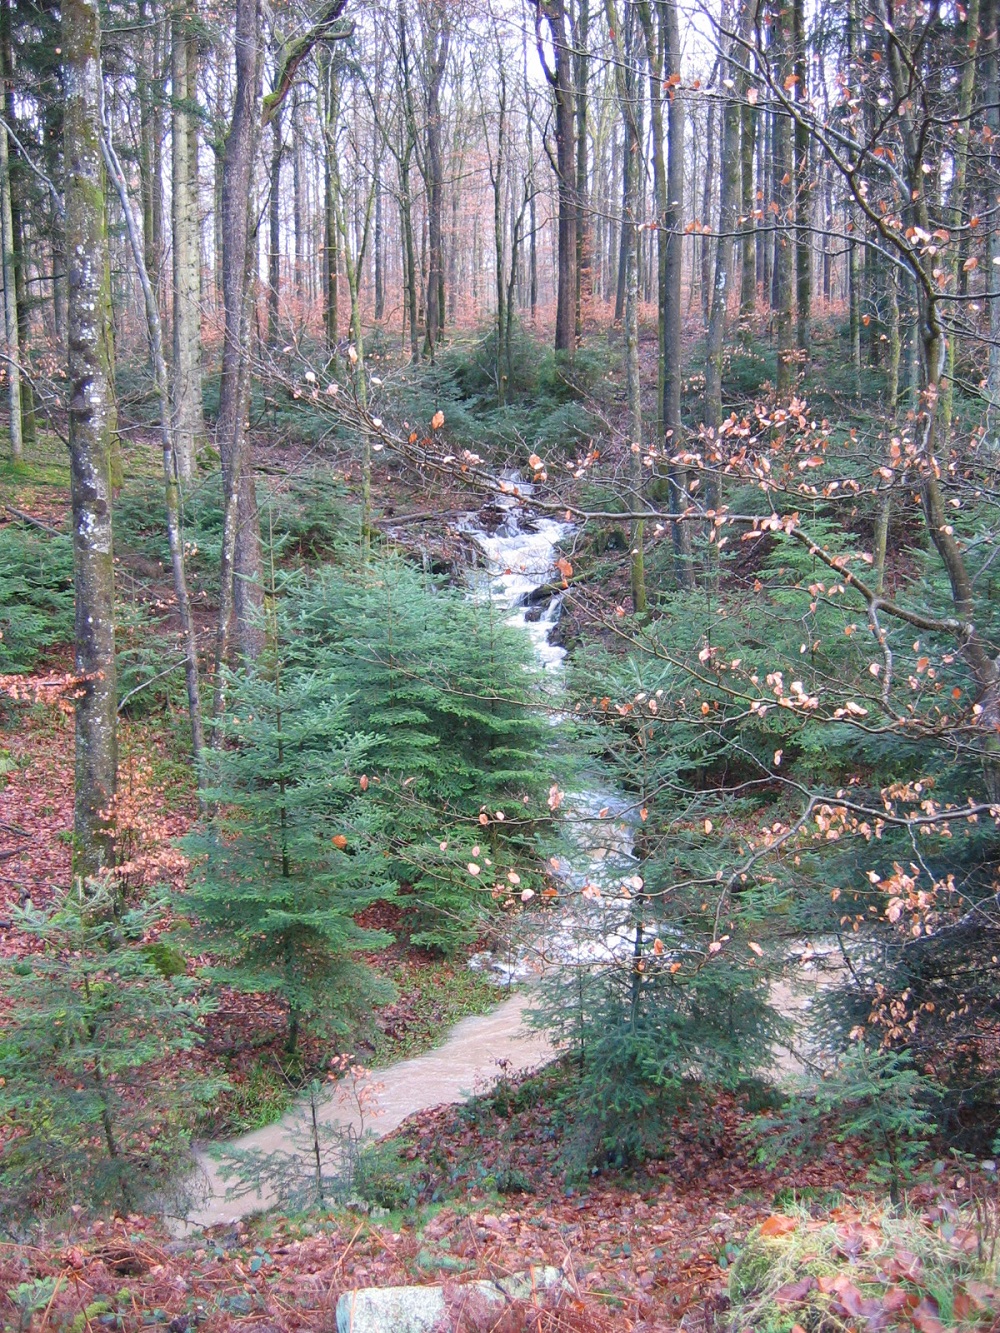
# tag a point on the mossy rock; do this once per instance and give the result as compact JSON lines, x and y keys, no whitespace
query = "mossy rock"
{"x":167,"y":960}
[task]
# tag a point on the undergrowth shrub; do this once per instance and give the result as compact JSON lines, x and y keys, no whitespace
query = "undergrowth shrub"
{"x":95,"y":1106}
{"x":864,"y":1267}
{"x":36,"y":596}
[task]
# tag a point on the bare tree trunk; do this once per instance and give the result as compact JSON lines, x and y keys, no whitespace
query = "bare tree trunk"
{"x":90,"y":440}
{"x":186,"y":400}
{"x":405,"y":193}
{"x":240,"y":566}
{"x":331,"y":189}
{"x":957,"y":192}
{"x":17,"y":196}
{"x":274,"y":231}
{"x":11,"y":331}
{"x":991,"y":99}
{"x":784,"y":170}
{"x":581,"y":64}
{"x":729,"y":194}
{"x":627,"y":83}
{"x":748,"y":251}
{"x":705,"y":243}
{"x":172,"y":491}
{"x":299,"y":200}
{"x":437,"y":35}
{"x":379,"y":250}
{"x":559,"y":76}
{"x":803,"y":187}
{"x":150,"y":80}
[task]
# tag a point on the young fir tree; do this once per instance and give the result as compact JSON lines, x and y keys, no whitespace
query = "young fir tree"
{"x":458,"y":759}
{"x":665,"y":987}
{"x":293,"y":851}
{"x":95,"y":1105}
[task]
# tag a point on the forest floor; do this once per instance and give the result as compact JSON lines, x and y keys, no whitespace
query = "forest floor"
{"x":475,"y":1191}
{"x":648,"y":1250}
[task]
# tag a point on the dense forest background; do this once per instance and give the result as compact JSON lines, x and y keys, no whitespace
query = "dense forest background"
{"x":295,"y":299}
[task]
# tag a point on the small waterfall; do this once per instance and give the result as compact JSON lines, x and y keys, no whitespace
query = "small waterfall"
{"x":598,"y":874}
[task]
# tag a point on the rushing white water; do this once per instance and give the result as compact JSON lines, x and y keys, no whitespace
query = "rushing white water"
{"x":591,"y":925}
{"x":597,"y":874}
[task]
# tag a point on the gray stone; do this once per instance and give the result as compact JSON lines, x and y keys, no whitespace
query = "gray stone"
{"x":423,"y":1309}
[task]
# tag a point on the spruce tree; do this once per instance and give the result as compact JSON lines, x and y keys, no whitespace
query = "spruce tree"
{"x":95,"y":1094}
{"x":292,"y":852}
{"x":459,"y":762}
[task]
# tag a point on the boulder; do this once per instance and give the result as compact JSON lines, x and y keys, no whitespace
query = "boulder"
{"x":423,"y":1309}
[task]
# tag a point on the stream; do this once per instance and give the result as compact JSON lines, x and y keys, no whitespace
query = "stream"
{"x":518,"y":556}
{"x":597,"y":877}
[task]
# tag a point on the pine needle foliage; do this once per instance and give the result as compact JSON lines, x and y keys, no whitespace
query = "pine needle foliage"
{"x":292,"y":853}
{"x":458,"y":761}
{"x":36,"y":596}
{"x":96,"y":1096}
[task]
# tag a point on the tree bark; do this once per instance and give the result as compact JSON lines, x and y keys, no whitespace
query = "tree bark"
{"x":172,"y":490}
{"x":11,"y":331}
{"x":240,"y":566}
{"x":729,"y":195}
{"x":186,"y":396}
{"x":803,"y":186}
{"x":90,"y":441}
{"x":274,"y":231}
{"x":784,"y":171}
{"x":560,"y":79}
{"x":584,"y":247}
{"x":437,"y":36}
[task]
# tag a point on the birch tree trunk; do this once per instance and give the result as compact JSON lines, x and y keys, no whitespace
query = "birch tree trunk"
{"x":172,"y":491}
{"x":90,"y":441}
{"x":13,"y":364}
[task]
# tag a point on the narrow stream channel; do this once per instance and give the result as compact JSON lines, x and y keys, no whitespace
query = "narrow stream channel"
{"x":593,"y":924}
{"x":516,"y":560}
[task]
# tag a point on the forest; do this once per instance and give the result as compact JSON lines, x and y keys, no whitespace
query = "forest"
{"x":500,"y":665}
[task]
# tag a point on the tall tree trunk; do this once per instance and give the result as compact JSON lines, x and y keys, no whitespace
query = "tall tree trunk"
{"x":991,"y":99}
{"x":186,"y":397}
{"x":581,"y":71}
{"x":784,"y":170}
{"x":748,"y":248}
{"x":11,"y":331}
{"x":729,"y":196}
{"x":673,"y":233}
{"x":436,"y":38}
{"x":149,"y":76}
{"x":331,"y":190}
{"x":705,"y":242}
{"x":560,"y":78}
{"x":379,"y":250}
{"x":299,"y":200}
{"x":958,"y":190}
{"x":91,"y":424}
{"x":274,"y":231}
{"x":405,"y":191}
{"x":240,"y":566}
{"x":627,"y":83}
{"x":532,"y":211}
{"x":802,"y":185}
{"x":172,"y":490}
{"x":662,"y":40}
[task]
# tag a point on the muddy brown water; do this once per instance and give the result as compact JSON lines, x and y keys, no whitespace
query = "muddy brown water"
{"x":465,"y":1063}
